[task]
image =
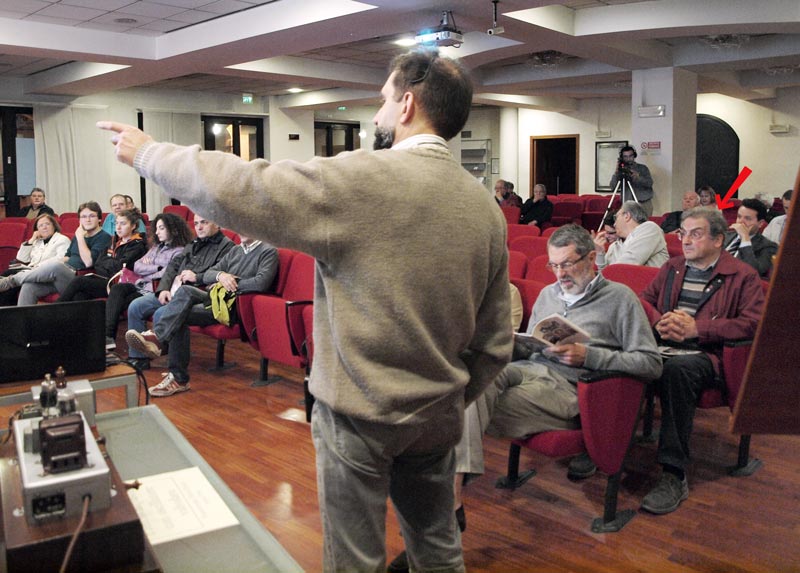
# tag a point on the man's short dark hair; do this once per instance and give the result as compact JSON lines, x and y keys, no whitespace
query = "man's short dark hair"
{"x":441,"y":86}
{"x":757,"y":206}
{"x":717,"y":225}
{"x":508,"y":186}
{"x":787,"y":195}
{"x":572,"y":234}
{"x":92,"y":206}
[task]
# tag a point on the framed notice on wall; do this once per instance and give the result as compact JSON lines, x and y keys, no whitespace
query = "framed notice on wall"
{"x":606,"y":155}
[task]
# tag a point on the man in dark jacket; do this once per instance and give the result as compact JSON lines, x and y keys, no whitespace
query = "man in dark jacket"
{"x":37,"y":206}
{"x":697,"y":302}
{"x":745,"y":241}
{"x":186,"y":268}
{"x":672,"y":222}
{"x":538,"y":209}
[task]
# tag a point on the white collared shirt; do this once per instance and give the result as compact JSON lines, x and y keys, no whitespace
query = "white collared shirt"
{"x":420,"y":139}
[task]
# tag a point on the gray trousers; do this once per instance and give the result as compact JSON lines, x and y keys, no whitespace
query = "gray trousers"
{"x":526,"y":398}
{"x":359,"y":464}
{"x":51,"y":276}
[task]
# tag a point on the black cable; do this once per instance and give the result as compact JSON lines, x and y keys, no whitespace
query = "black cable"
{"x":84,"y":514}
{"x":15,"y":416}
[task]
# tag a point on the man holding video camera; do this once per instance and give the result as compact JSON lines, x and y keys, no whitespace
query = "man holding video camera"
{"x":638,"y":175}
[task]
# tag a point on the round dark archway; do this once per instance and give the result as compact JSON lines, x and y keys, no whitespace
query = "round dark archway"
{"x":717,"y":154}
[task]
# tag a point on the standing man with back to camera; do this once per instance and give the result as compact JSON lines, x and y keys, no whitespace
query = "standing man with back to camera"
{"x":389,"y":407}
{"x":637,"y":175}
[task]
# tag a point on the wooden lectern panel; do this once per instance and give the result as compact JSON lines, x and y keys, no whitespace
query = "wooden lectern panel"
{"x":769,"y":400}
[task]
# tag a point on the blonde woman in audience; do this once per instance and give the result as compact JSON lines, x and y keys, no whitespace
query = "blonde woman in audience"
{"x":53,"y":275}
{"x":46,"y":242}
{"x":708,"y":197}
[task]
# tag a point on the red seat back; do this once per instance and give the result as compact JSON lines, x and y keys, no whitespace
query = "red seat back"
{"x":531,"y":246}
{"x":529,"y":291}
{"x":517,"y":264}
{"x":537,"y":270}
{"x":511,"y":214}
{"x":181,"y":211}
{"x":674,"y":247}
{"x":13,"y":234}
{"x":69,"y":225}
{"x":232,"y":235}
{"x":636,"y":277}
{"x":515,"y":231}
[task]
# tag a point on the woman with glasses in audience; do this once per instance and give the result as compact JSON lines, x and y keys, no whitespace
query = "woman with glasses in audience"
{"x":169,"y":235}
{"x":126,"y":248}
{"x":46,"y":242}
{"x":53,"y":275}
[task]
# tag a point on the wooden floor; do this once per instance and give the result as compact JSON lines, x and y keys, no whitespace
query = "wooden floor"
{"x":258,"y":442}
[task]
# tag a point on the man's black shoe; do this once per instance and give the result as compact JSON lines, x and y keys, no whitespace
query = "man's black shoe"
{"x":581,"y":467}
{"x":399,"y":564}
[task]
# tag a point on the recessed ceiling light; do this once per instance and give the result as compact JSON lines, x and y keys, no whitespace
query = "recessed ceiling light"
{"x":294,"y":90}
{"x":126,"y":20}
{"x":405,"y":42}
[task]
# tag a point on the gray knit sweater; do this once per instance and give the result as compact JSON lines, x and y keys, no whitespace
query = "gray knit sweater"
{"x":621,"y":340}
{"x":411,"y":306}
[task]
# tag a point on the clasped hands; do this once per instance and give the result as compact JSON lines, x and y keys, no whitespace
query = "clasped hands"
{"x":677,"y":326}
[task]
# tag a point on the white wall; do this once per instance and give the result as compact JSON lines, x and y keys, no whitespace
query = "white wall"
{"x":592,"y":115}
{"x":774,"y":159}
{"x":484,"y":123}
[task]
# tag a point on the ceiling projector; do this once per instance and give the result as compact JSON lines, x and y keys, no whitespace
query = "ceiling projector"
{"x":443,"y":35}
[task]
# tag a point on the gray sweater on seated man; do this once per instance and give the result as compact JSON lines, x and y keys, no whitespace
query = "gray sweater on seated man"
{"x":539,"y":393}
{"x":256,"y":265}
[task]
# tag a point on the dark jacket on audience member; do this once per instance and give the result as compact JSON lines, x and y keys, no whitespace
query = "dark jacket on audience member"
{"x":730,"y":309}
{"x":672,"y":222}
{"x":43,"y":209}
{"x":197,"y":256}
{"x":758,"y":255}
{"x":110,"y":263}
{"x":540,"y":212}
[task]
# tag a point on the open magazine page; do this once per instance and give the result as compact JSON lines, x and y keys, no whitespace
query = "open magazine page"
{"x":556,"y":329}
{"x":551,"y":330}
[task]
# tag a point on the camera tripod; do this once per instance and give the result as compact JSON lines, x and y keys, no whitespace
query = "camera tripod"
{"x":626,"y":188}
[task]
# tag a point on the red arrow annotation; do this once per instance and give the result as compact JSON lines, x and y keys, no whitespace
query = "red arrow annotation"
{"x":725,"y":202}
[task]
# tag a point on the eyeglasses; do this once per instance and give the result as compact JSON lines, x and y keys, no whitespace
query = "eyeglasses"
{"x":694,"y":234}
{"x":89,"y":216}
{"x":565,"y":266}
{"x":428,"y":67}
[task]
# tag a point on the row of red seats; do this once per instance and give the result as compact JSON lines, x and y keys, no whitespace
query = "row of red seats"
{"x":277,"y":324}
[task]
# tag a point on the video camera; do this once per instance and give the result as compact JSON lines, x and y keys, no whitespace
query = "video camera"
{"x":623,"y":170}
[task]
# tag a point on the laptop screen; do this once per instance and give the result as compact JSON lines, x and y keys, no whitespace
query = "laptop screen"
{"x":37,"y":339}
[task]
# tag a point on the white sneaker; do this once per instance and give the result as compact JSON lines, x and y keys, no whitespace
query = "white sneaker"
{"x":167,"y":387}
